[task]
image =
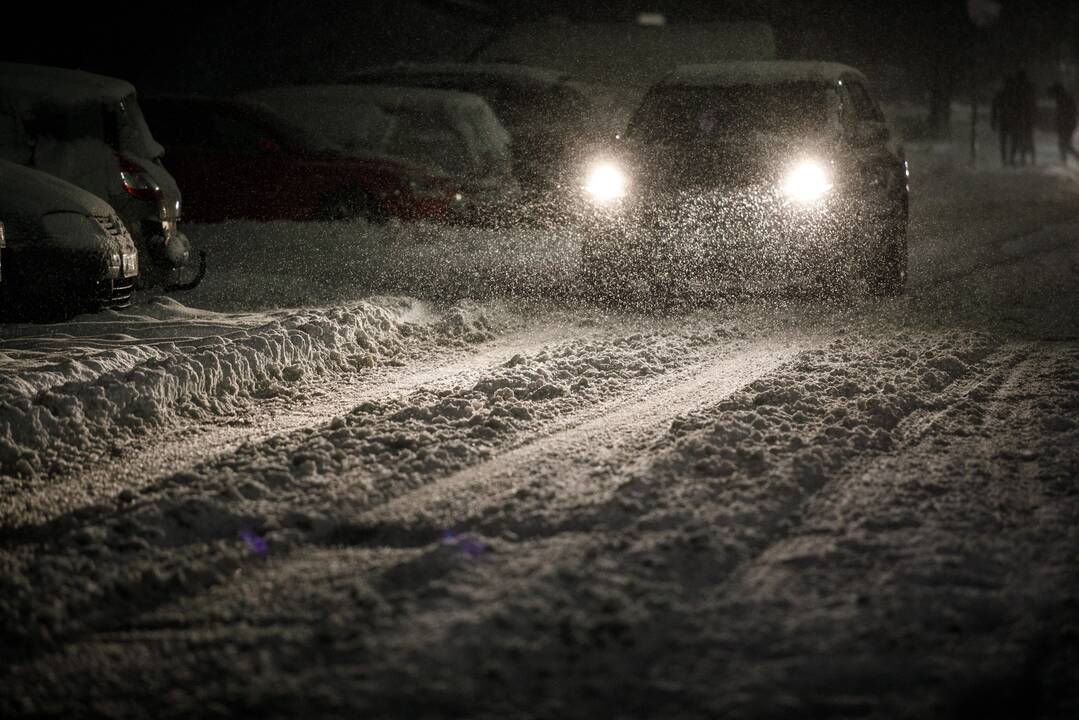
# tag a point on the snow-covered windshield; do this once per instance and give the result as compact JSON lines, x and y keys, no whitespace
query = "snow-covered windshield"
{"x":348,"y":127}
{"x":451,"y":132}
{"x":121,"y":125}
{"x":516,"y":105}
{"x":681,"y":113}
{"x":419,"y":136}
{"x":518,"y":102}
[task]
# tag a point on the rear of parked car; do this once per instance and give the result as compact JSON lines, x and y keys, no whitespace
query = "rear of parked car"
{"x":89,"y":130}
{"x":67,"y":250}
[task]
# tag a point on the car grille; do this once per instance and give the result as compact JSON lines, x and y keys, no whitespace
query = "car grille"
{"x":114,"y":228}
{"x":115,"y":293}
{"x":111,"y":224}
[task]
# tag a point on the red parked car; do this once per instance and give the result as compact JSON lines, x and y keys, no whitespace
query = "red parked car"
{"x":239,"y":159}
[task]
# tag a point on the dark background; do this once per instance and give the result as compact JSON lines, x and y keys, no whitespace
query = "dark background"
{"x":925,"y":51}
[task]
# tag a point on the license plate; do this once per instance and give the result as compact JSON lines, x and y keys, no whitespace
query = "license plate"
{"x":131,"y":264}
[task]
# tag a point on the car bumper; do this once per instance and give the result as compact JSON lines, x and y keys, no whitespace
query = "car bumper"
{"x":42,"y":275}
{"x":756,"y":233}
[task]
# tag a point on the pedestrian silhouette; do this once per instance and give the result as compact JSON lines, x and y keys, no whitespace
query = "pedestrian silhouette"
{"x":1025,"y":108}
{"x":1002,"y":119}
{"x":1066,"y":117}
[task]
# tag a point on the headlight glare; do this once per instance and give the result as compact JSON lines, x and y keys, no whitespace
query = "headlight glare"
{"x":807,"y":182}
{"x":606,"y":183}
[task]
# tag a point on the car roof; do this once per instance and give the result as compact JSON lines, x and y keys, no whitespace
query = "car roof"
{"x":759,"y":72}
{"x":502,"y":71}
{"x":61,"y":86}
{"x":193,"y":102}
{"x":387,"y":96}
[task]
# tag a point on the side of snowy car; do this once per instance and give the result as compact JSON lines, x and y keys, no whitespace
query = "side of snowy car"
{"x":88,"y":129}
{"x":67,"y":250}
{"x":552,"y":123}
{"x":450,"y":133}
{"x":756,"y":174}
{"x":241,"y":159}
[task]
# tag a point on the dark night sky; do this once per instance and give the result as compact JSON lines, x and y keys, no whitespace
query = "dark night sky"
{"x":220,"y":47}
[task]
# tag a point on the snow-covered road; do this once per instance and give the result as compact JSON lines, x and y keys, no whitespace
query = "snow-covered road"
{"x":308,"y":499}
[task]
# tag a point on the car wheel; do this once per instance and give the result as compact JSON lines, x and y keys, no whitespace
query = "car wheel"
{"x":888,"y":271}
{"x":347,"y":204}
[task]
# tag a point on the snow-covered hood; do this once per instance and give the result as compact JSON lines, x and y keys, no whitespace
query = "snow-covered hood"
{"x":29,"y":192}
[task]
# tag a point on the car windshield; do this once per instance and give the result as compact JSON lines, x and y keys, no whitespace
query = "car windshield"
{"x":675,"y":114}
{"x":515,"y":104}
{"x":420,"y":135}
{"x":347,"y":127}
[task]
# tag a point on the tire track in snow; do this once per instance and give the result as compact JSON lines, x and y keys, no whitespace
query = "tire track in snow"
{"x":888,"y":533}
{"x":194,"y":442}
{"x":183,"y":533}
{"x":577,"y":460}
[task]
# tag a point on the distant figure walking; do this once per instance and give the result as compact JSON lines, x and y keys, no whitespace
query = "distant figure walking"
{"x":1026,"y":109}
{"x":1066,"y":117}
{"x":1002,"y":119}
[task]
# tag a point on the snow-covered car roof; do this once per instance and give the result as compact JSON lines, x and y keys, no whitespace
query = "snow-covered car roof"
{"x":509,"y":72}
{"x":625,"y":54}
{"x":30,"y":192}
{"x":385,"y":119}
{"x":759,"y":72}
{"x":39,"y":83}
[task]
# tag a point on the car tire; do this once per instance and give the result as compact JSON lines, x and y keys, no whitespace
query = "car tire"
{"x":887,"y":274}
{"x":348,"y":204}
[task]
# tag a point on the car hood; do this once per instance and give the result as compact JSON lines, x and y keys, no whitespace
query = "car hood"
{"x":29,"y":192}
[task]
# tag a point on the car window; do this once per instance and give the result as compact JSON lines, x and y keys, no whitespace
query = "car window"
{"x":69,"y":123}
{"x":514,"y":104}
{"x":862,"y":105}
{"x":428,"y":139}
{"x":132,"y":134}
{"x":676,"y":113}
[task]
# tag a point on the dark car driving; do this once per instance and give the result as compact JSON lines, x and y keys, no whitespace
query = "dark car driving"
{"x":773,"y":173}
{"x":240,"y":159}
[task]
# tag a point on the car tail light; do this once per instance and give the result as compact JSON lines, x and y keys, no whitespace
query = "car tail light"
{"x":137,"y":182}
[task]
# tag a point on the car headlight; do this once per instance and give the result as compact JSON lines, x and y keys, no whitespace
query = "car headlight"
{"x":807,"y":182}
{"x":606,"y":183}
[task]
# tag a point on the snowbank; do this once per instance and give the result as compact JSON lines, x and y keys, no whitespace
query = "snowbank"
{"x":52,"y":416}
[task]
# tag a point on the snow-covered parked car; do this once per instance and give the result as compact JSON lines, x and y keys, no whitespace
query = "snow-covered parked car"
{"x":777,"y":172}
{"x":89,"y":130}
{"x":241,"y":159}
{"x":67,"y":250}
{"x":552,"y":123}
{"x":453,"y":133}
